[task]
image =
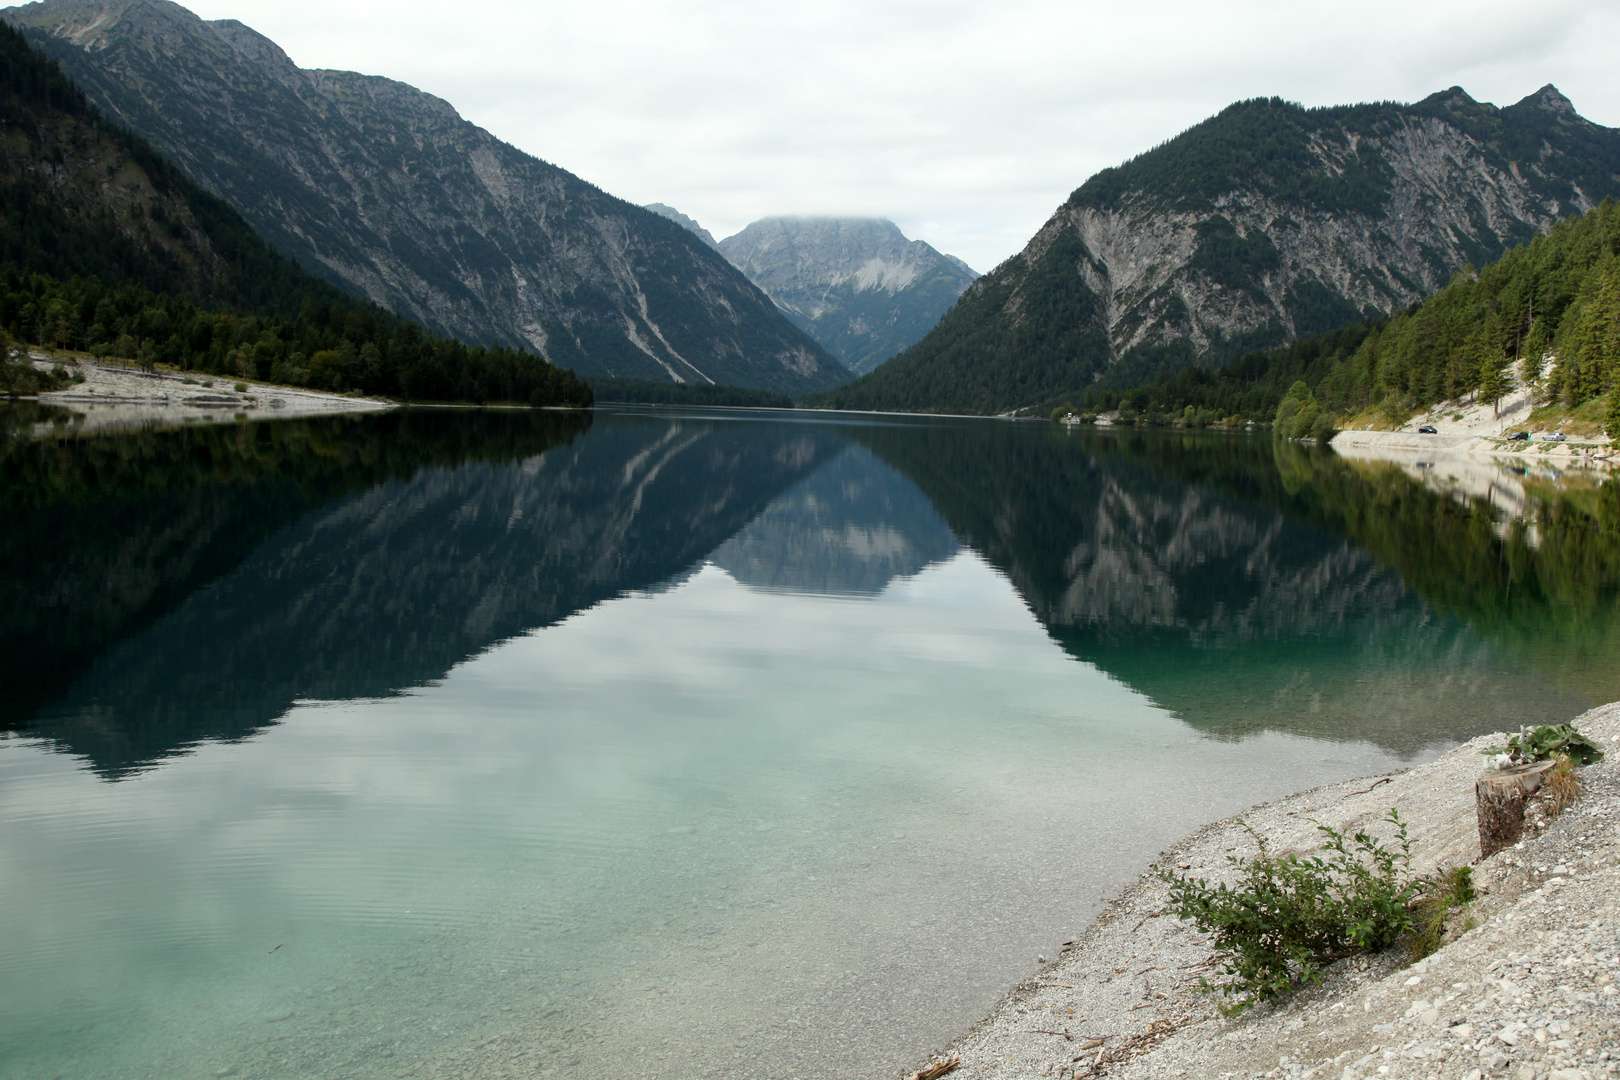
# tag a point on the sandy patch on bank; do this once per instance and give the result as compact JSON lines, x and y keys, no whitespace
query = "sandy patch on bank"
{"x":1529,"y":994}
{"x":1473,"y":428}
{"x":115,"y":398}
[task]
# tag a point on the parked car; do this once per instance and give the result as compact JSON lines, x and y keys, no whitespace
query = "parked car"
{"x":1428,"y":429}
{"x":1519,"y":436}
{"x":1554,"y":436}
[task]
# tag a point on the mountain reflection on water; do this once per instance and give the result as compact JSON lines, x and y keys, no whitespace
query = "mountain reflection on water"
{"x":193,"y":585}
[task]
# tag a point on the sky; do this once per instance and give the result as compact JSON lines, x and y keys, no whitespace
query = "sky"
{"x":965,"y":123}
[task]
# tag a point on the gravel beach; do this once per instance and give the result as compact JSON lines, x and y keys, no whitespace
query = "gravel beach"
{"x":113,"y":397}
{"x":1530,"y":993}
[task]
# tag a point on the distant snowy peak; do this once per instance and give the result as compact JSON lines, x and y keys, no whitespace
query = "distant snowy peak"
{"x":666,"y":211}
{"x":857,"y":285}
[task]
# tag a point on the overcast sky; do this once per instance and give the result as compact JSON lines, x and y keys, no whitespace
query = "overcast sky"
{"x":966,"y":123}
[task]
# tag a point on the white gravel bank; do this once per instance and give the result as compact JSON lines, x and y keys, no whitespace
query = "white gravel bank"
{"x":1529,"y":994}
{"x":114,"y":398}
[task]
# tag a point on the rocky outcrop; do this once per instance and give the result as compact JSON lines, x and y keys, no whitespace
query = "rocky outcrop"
{"x":856,"y":285}
{"x":387,"y":191}
{"x":1262,"y":225}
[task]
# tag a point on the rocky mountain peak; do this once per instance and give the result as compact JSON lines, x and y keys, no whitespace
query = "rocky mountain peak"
{"x":857,"y":285}
{"x":1549,"y":98}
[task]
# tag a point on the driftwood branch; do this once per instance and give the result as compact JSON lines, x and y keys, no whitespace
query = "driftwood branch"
{"x":937,"y":1069}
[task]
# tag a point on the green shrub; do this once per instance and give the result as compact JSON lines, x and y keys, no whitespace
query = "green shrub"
{"x":1288,"y":917}
{"x":1542,"y":742}
{"x":1322,"y":428}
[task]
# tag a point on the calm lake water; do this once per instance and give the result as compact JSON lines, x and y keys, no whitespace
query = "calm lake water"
{"x":447,"y":744}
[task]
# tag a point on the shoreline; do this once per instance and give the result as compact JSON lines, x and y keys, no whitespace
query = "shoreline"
{"x":1518,"y":995}
{"x":1402,"y":444}
{"x":117,"y":398}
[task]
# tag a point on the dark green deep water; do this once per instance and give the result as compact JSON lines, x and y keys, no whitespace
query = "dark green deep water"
{"x":690,"y":744}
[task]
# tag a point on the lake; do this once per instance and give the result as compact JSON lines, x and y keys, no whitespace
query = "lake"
{"x":692,"y":744}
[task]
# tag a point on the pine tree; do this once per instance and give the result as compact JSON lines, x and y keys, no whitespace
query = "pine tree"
{"x":1494,"y":380}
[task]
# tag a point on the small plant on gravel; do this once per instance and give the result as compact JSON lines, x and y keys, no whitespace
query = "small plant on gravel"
{"x":1289,"y":917}
{"x":1542,"y":742}
{"x":1561,"y":786}
{"x":1444,"y":891}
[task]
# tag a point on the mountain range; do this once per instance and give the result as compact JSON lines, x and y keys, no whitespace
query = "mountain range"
{"x":1264,"y":224}
{"x":107,"y":248}
{"x":856,"y":285}
{"x":388,"y":192}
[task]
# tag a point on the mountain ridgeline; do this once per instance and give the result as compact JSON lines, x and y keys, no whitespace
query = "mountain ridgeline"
{"x":388,"y":192}
{"x":105,"y":247}
{"x":1263,"y":225}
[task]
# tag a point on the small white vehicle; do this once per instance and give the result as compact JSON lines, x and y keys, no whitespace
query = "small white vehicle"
{"x":1554,"y":436}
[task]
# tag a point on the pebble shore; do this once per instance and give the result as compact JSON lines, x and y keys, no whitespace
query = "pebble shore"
{"x":115,"y":398}
{"x":1529,"y":992}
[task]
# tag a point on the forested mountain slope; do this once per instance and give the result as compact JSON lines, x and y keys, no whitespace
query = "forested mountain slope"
{"x":857,"y":285}
{"x":1556,"y":297}
{"x":106,"y":247}
{"x":1264,"y":224}
{"x":388,"y":191}
{"x":79,"y":196}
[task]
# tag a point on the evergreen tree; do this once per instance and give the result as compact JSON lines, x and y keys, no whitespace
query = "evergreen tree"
{"x":1494,"y":380}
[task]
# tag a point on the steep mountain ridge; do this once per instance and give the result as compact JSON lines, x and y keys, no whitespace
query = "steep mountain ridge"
{"x":1264,"y":224}
{"x":857,"y":285}
{"x":386,"y":190}
{"x":84,"y":198}
{"x":664,"y":210}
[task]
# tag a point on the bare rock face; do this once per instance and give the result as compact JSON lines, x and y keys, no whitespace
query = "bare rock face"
{"x":385,"y":190}
{"x":857,"y":285}
{"x":1262,"y":225}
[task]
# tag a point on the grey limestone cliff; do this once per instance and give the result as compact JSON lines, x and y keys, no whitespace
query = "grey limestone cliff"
{"x":387,"y":191}
{"x":857,"y":285}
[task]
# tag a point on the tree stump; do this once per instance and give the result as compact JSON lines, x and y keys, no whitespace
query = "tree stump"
{"x":1499,"y":801}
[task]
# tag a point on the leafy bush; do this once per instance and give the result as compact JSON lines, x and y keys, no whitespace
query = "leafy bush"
{"x":1542,"y":742}
{"x":1288,"y":917}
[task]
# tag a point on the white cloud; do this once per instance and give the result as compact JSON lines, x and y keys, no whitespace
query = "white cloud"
{"x":966,"y":123}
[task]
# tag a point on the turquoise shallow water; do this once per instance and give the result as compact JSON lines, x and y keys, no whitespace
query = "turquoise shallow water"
{"x":681,"y":744}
